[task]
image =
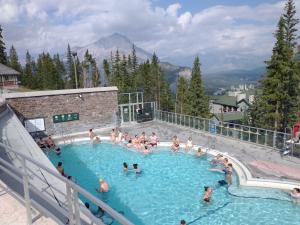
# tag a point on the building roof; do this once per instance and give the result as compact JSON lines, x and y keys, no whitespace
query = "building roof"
{"x":57,"y":92}
{"x":5,"y":70}
{"x":230,"y":117}
{"x":225,"y":100}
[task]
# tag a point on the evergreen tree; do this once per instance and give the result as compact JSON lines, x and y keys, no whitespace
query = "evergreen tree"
{"x":14,"y":60}
{"x":181,"y":95}
{"x":3,"y":56}
{"x":27,"y":77}
{"x":273,"y":108}
{"x":60,"y":68}
{"x":290,"y":23}
{"x":106,"y":68}
{"x":70,"y":79}
{"x":198,"y":102}
{"x":134,"y":59}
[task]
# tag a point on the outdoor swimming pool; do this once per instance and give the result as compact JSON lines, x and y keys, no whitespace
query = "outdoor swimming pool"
{"x":170,"y":188}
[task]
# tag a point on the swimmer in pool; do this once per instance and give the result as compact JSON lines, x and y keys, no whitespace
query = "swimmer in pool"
{"x":97,"y":140}
{"x":189,"y":144}
{"x":207,"y":194}
{"x":136,"y":168}
{"x":295,"y":193}
{"x":200,"y":153}
{"x":217,"y":160}
{"x":182,"y":222}
{"x":125,"y":167}
{"x":228,"y":174}
{"x":103,"y":186}
{"x":175,"y":144}
{"x":113,"y":135}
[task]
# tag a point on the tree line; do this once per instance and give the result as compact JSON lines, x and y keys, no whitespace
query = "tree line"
{"x":277,"y":106}
{"x":126,"y":72}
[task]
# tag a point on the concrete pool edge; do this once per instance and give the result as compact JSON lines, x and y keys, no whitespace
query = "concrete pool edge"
{"x":245,"y":177}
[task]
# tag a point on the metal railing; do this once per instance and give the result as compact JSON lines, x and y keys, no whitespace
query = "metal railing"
{"x":73,"y":211}
{"x":263,"y":137}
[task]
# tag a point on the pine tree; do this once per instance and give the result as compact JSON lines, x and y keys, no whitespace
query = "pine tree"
{"x":106,"y":68}
{"x":273,"y":108}
{"x":13,"y":61}
{"x":3,"y":56}
{"x":197,"y":99}
{"x":181,"y":95}
{"x":70,"y":79}
{"x":134,"y":59}
{"x":290,"y":23}
{"x":60,"y":68}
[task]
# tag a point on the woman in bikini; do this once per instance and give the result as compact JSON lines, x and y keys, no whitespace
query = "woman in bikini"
{"x":189,"y":144}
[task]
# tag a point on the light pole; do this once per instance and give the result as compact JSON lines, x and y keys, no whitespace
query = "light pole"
{"x":74,"y":54}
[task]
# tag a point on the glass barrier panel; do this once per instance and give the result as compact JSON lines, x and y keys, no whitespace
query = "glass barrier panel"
{"x":269,"y":138}
{"x":253,"y":135}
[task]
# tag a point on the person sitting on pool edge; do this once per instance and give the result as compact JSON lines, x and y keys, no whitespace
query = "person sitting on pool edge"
{"x":153,"y":140}
{"x":136,"y":168}
{"x":91,"y":134}
{"x":207,"y":194}
{"x":103,"y":186}
{"x":50,"y":143}
{"x":189,"y":144}
{"x":175,"y":144}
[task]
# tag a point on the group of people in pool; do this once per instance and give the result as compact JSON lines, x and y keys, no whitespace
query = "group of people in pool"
{"x":48,"y":144}
{"x":135,"y":167}
{"x":219,"y":164}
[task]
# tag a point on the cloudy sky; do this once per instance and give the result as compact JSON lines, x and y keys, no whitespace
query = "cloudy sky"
{"x":226,"y":34}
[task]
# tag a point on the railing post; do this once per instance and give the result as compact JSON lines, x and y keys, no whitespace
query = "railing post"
{"x":183,"y":120}
{"x":189,"y":122}
{"x":194,"y":123}
{"x":26,"y":193}
{"x":168,"y":117}
{"x":266,"y":137}
{"x":257,"y":135}
{"x":70,"y":205}
{"x":204,"y":125}
{"x":249,"y":133}
{"x":76,"y":207}
{"x":175,"y":118}
{"x":274,"y":139}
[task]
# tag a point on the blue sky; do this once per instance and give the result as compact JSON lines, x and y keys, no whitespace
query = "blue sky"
{"x":197,"y":5}
{"x":226,"y":34}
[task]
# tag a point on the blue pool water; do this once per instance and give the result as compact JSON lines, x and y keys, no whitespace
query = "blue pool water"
{"x":170,"y":188}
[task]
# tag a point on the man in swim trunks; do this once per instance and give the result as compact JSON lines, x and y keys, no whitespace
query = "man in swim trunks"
{"x":175,"y":144}
{"x":113,"y":135}
{"x":207,"y":194}
{"x":60,"y":168}
{"x":103,"y":186}
{"x":153,"y":140}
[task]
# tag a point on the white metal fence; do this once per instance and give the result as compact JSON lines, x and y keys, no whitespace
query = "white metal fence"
{"x":269,"y":138}
{"x":70,"y":208}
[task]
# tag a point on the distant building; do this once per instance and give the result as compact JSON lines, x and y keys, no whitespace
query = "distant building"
{"x":228,"y":104}
{"x":8,"y":76}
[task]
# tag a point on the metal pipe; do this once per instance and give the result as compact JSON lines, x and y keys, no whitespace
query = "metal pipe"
{"x":26,"y":193}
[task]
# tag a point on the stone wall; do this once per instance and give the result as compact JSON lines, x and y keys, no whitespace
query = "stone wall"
{"x":97,"y":108}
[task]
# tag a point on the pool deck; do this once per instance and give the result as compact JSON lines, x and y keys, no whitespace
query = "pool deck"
{"x":262,"y":162}
{"x":13,"y":212}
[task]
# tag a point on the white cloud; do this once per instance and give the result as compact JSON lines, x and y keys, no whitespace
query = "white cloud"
{"x":216,"y":33}
{"x":173,"y":9}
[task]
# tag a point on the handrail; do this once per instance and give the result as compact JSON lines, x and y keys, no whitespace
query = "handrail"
{"x":254,"y":135}
{"x":114,"y":214}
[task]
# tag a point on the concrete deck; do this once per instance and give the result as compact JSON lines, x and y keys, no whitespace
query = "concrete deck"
{"x":13,"y":212}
